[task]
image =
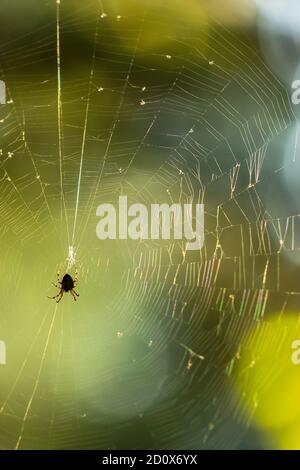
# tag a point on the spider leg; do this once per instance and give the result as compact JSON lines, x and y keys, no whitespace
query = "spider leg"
{"x":72,"y":293}
{"x":75,"y":292}
{"x":58,"y":280}
{"x":61,"y":296}
{"x":55,"y":297}
{"x":55,"y":285}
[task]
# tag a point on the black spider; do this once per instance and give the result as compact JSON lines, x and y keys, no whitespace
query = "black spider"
{"x":67,"y":284}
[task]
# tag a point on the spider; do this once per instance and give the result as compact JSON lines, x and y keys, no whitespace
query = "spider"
{"x":67,"y":284}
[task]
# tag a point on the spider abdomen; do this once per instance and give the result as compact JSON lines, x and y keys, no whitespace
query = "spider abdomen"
{"x":67,"y":283}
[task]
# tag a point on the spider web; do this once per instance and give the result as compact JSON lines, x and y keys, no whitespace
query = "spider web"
{"x":97,"y":108}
